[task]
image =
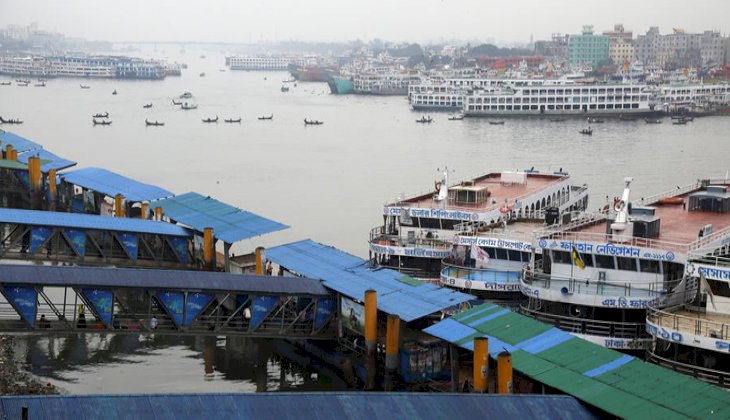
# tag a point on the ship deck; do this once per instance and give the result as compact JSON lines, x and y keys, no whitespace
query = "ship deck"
{"x":518,"y":231}
{"x":678,"y":225}
{"x":499,"y":192}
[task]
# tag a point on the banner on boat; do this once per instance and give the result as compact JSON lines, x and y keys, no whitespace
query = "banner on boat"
{"x":130,"y":242}
{"x":180,"y":246}
{"x":410,"y":251}
{"x":612,"y":249}
{"x":494,"y":242}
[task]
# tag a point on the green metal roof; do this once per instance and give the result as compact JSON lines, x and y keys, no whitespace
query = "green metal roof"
{"x":617,"y":383}
{"x":12,"y":164}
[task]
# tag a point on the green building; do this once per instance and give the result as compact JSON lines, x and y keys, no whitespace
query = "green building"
{"x":588,"y":48}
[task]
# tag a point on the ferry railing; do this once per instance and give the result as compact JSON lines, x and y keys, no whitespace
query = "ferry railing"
{"x":379,"y":238}
{"x":711,"y":376}
{"x":697,"y":325}
{"x":599,"y":287}
{"x":572,"y":236}
{"x":715,"y":260}
{"x":645,"y":201}
{"x":580,"y":325}
{"x":710,"y":239}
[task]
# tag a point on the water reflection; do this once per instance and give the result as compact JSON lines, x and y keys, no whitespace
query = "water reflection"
{"x":110,"y":363}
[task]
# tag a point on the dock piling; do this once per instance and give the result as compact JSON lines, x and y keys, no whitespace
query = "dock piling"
{"x":119,"y":206}
{"x":481,"y":364}
{"x":52,"y":190}
{"x":392,"y":338}
{"x":144,"y":211}
{"x":504,"y":373}
{"x":209,"y":249}
{"x":371,"y":336}
{"x":260,"y":261}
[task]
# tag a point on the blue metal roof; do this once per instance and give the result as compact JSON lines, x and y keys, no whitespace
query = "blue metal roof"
{"x":51,"y":160}
{"x":90,"y":221}
{"x":111,"y":184}
{"x":352,"y":276}
{"x":296,"y":406}
{"x":21,"y":144}
{"x":157,"y":279}
{"x":229,"y":223}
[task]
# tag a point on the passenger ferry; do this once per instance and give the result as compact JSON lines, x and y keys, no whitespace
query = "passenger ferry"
{"x":564,"y":100}
{"x":597,"y":276}
{"x":84,"y":66}
{"x":419,"y":232}
{"x":390,"y":83}
{"x":694,"y":338}
{"x":694,"y":99}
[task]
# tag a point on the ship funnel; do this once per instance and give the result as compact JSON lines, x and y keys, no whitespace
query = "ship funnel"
{"x":622,"y":226}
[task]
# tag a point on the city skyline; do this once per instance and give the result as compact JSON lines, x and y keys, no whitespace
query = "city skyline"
{"x":407,"y":21}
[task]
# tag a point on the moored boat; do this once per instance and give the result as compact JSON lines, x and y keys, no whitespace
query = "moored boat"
{"x":500,"y":122}
{"x":101,"y":122}
{"x":100,"y":115}
{"x":264,"y":117}
{"x":10,"y":121}
{"x":147,"y":106}
{"x":586,"y":131}
{"x":231,"y":120}
{"x":154,"y":123}
{"x":188,"y":106}
{"x":313,"y":122}
{"x":425,"y":120}
{"x":210,"y":120}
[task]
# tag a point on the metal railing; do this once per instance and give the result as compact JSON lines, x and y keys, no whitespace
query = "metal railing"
{"x":712,"y":376}
{"x":645,"y":201}
{"x":485,"y":275}
{"x":578,"y":325}
{"x":709,"y":259}
{"x":379,"y":238}
{"x":600,"y":288}
{"x":699,"y":325}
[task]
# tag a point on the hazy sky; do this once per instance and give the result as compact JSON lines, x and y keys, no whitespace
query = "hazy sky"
{"x":505,"y":21}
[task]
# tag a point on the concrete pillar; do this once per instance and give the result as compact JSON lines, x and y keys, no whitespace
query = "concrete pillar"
{"x":144,"y":211}
{"x":481,"y":364}
{"x":260,"y":261}
{"x":504,"y":373}
{"x":226,"y":257}
{"x":209,"y":249}
{"x":119,"y":206}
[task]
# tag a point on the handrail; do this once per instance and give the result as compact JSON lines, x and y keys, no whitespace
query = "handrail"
{"x":645,"y":201}
{"x":667,"y":317}
{"x":404,"y":241}
{"x":598,"y":287}
{"x":713,"y":376}
{"x":709,"y":259}
{"x":580,"y":325}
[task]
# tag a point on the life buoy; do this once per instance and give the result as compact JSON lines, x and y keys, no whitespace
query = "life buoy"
{"x":505,"y":209}
{"x":618,"y":205}
{"x":437,"y":185}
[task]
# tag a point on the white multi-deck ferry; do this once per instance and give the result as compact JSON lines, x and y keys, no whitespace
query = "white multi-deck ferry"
{"x":418,"y":233}
{"x":694,"y":99}
{"x":597,"y":275}
{"x":388,"y":83}
{"x":565,"y":100}
{"x":83,"y":66}
{"x":694,"y":338}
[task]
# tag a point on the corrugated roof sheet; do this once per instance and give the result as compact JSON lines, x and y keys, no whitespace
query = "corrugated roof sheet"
{"x":157,"y":279}
{"x":296,"y":406}
{"x":48,"y":160}
{"x":352,"y":276}
{"x":619,"y":384}
{"x":111,"y":184}
{"x":11,"y":164}
{"x":21,"y":144}
{"x":90,"y":221}
{"x":229,"y":223}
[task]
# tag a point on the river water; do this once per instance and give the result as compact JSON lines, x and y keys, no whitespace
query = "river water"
{"x":327,"y":182}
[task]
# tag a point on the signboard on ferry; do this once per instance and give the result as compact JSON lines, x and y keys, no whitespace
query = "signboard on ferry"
{"x":494,"y":242}
{"x":618,"y":250}
{"x":712,"y":272}
{"x":432,"y":213}
{"x":410,"y":251}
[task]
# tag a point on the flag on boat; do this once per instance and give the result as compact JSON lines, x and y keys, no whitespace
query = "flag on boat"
{"x":577,"y":259}
{"x":480,"y":257}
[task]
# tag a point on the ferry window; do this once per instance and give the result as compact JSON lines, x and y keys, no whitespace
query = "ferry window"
{"x":587,"y":259}
{"x":533,"y":107}
{"x":525,"y":256}
{"x":501,"y":254}
{"x":525,"y":107}
{"x":561,"y":257}
{"x":605,"y":261}
{"x":628,"y":264}
{"x":490,"y":252}
{"x":649,"y":266}
{"x":601,"y":106}
{"x":514,"y":255}
{"x":448,"y":224}
{"x":719,"y":288}
{"x":634,"y":105}
{"x":593,"y":106}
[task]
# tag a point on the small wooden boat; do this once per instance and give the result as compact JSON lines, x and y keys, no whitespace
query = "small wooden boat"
{"x":456,"y":118}
{"x":23,"y":83}
{"x":496,"y":122}
{"x":587,"y":131}
{"x":10,"y":121}
{"x":186,"y":95}
{"x":285,"y":89}
{"x":6,"y":83}
{"x":592,"y":120}
{"x":202,"y":74}
{"x":231,"y":120}
{"x":653,"y":120}
{"x":154,"y":123}
{"x":313,"y":122}
{"x":147,"y":106}
{"x":424,"y":120}
{"x":683,"y":117}
{"x":186,"y":105}
{"x":210,"y":120}
{"x":41,"y":84}
{"x":176,"y":103}
{"x":115,"y":92}
{"x":270,"y":117}
{"x":85,"y":87}
{"x":101,"y":122}
{"x":104,"y":115}
{"x":671,"y":200}
{"x":679,"y":122}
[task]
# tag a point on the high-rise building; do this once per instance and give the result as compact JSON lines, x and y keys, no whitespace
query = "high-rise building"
{"x":588,"y":48}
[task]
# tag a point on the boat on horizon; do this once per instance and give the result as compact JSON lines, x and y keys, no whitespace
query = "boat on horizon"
{"x":147,"y":106}
{"x":425,"y":120}
{"x":154,"y":123}
{"x":11,"y":121}
{"x":653,"y":120}
{"x":313,"y":122}
{"x":500,"y":122}
{"x":586,"y":131}
{"x":231,"y":120}
{"x":456,"y":117}
{"x":101,"y":122}
{"x":210,"y":120}
{"x":85,"y":86}
{"x":104,"y":115}
{"x":263,"y":117}
{"x":187,"y":106}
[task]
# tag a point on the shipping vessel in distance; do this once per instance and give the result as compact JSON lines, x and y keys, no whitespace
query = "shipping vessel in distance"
{"x":419,"y":232}
{"x":597,"y":276}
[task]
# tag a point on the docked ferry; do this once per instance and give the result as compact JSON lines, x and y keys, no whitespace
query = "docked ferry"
{"x":598,"y":275}
{"x":419,"y":232}
{"x":564,"y":100}
{"x":694,"y":338}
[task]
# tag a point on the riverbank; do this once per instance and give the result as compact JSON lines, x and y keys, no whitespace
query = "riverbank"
{"x":14,"y":379}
